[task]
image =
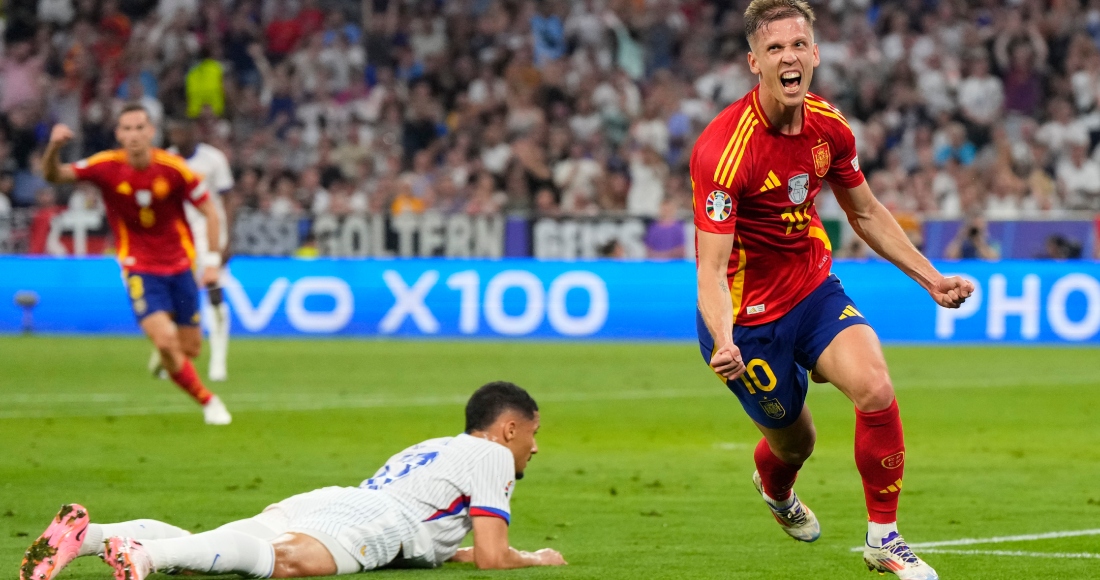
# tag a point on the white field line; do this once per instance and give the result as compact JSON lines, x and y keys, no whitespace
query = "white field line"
{"x":1003,"y":539}
{"x":259,"y":401}
{"x":1078,"y":555}
{"x":934,"y":547}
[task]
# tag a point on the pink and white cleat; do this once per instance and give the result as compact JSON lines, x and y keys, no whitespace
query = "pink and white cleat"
{"x":127,"y":558}
{"x":57,"y":546}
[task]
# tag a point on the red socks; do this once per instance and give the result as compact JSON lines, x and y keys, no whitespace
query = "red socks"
{"x":880,"y":458}
{"x":189,"y":381}
{"x":778,"y":477}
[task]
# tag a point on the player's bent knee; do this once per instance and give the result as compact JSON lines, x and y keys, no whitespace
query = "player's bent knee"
{"x":192,"y":350}
{"x":876,"y":395}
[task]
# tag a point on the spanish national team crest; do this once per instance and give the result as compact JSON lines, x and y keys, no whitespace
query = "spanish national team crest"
{"x":773,"y":408}
{"x":798,"y":187}
{"x":822,"y":159}
{"x":894,"y":461}
{"x":161,"y":187}
{"x":719,"y":205}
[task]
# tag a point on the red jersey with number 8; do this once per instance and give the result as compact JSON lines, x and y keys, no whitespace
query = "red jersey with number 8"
{"x":759,"y":185}
{"x":145,"y":208}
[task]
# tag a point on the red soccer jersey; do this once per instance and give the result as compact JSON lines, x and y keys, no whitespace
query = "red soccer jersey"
{"x":750,"y":180}
{"x":145,"y":208}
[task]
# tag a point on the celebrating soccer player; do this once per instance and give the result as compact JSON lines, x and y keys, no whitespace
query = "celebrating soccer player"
{"x":144,"y":190}
{"x":769,"y":309}
{"x":414,"y":512}
{"x":211,"y":166}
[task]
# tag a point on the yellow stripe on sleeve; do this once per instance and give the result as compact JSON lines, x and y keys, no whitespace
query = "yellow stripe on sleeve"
{"x":828,"y":112}
{"x":725,"y":154}
{"x":737,"y":289}
{"x":185,"y":240}
{"x":742,"y":147}
{"x":177,"y":163}
{"x":123,"y":242}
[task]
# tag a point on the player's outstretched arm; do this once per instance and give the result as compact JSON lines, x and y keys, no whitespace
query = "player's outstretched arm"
{"x":213,"y":259}
{"x":52,"y":168}
{"x":873,"y":222}
{"x":715,"y":304}
{"x":492,"y":552}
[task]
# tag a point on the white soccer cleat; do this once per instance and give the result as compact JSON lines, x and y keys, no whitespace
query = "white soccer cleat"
{"x":128,"y":559}
{"x":155,"y":367}
{"x":218,"y":374}
{"x":797,"y":520}
{"x":895,"y":557}
{"x":215,"y":413}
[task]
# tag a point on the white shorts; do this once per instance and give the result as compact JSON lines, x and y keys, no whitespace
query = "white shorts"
{"x":363,"y":529}
{"x":197,"y":221}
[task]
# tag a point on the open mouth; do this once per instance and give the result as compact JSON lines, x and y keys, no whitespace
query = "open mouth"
{"x":791,"y":81}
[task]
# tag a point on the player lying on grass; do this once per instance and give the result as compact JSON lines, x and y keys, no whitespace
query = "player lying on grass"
{"x":414,"y":512}
{"x":145,"y":190}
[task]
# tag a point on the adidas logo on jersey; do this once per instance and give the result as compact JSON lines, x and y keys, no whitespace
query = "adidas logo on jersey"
{"x":771,"y":182}
{"x":850,"y":311}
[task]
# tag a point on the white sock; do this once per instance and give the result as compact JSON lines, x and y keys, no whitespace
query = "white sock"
{"x":876,"y":532}
{"x":215,"y":552}
{"x":219,"y":341}
{"x":137,"y":529}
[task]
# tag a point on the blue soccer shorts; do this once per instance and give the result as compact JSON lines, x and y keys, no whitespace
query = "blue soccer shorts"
{"x":178,"y":295}
{"x":778,"y":355}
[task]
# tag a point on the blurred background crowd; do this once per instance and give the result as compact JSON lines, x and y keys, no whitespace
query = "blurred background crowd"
{"x":981,"y":110}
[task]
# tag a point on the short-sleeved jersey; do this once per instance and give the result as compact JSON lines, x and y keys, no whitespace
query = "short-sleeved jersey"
{"x":444,"y":482}
{"x":752,"y":181}
{"x":211,"y":166}
{"x":145,"y":208}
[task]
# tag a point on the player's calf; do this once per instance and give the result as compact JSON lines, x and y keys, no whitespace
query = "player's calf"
{"x":190,"y":340}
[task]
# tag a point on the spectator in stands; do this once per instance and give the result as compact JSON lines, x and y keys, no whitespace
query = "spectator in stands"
{"x":981,"y":98}
{"x":1058,"y":247}
{"x":578,"y":177}
{"x":1079,"y":177}
{"x":664,"y":240}
{"x":21,"y":69}
{"x":46,"y":209}
{"x":1062,"y":129}
{"x":648,"y":173}
{"x":7,"y":184}
{"x":971,"y":243}
{"x":509,"y":100}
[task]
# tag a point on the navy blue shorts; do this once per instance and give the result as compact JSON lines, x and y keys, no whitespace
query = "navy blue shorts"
{"x":778,"y":355}
{"x":178,"y":295}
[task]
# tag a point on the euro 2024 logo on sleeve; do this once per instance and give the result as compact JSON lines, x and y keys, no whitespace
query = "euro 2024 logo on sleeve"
{"x":719,"y":205}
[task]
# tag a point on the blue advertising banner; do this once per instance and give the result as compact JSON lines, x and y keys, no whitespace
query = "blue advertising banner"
{"x":1029,"y":302}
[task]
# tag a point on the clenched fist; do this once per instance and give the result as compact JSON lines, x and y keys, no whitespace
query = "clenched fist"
{"x":60,"y":134}
{"x":951,"y":292}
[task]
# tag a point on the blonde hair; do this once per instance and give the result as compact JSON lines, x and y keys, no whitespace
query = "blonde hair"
{"x":761,"y":13}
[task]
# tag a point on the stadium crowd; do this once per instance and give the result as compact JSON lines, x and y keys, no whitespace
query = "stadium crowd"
{"x":549,"y":107}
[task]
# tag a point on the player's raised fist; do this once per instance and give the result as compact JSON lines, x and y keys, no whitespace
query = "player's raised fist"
{"x":550,"y":557}
{"x":60,"y":134}
{"x":727,"y":362}
{"x":952,"y":292}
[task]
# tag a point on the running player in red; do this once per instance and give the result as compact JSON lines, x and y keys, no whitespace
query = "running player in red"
{"x":144,"y":190}
{"x":769,"y":309}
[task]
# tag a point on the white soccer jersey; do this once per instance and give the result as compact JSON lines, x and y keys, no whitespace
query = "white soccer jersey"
{"x":444,"y":482}
{"x":212,"y":167}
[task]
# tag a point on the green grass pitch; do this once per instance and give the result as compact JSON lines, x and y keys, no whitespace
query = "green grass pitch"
{"x":645,"y":462}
